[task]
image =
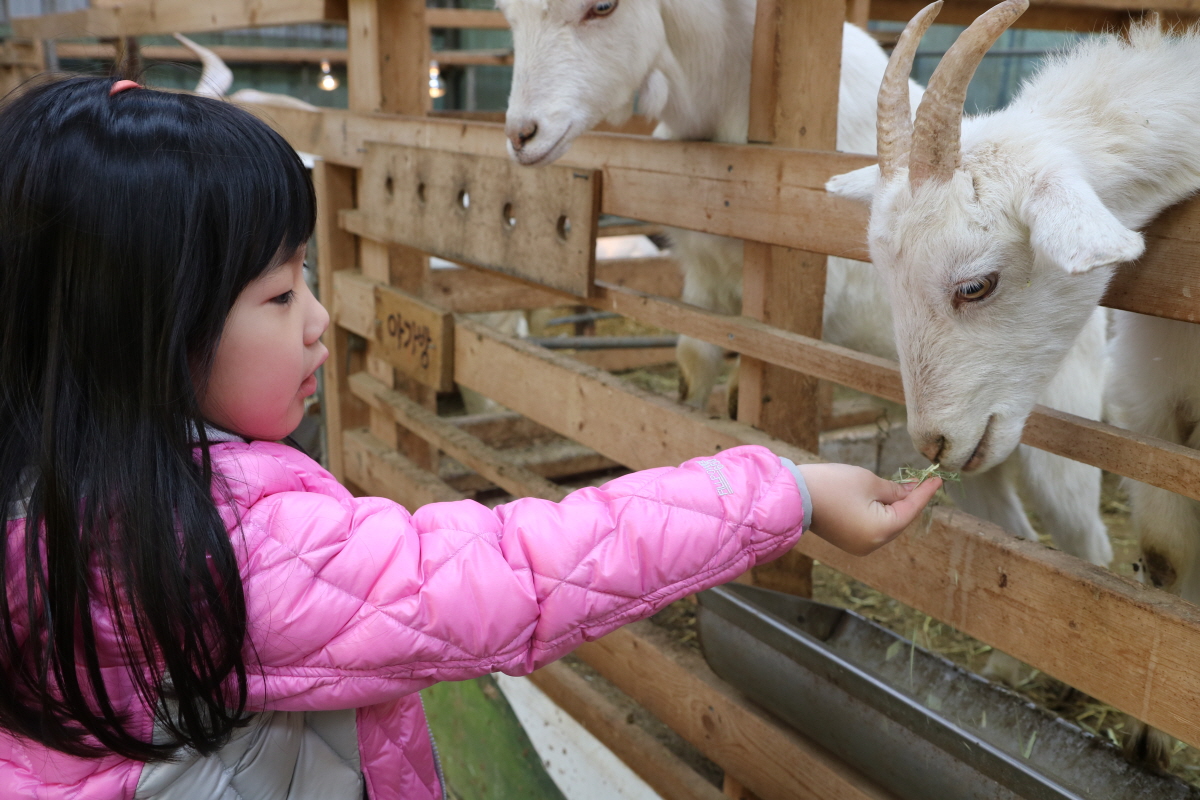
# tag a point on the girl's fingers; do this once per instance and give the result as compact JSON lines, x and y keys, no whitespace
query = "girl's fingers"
{"x":906,"y":508}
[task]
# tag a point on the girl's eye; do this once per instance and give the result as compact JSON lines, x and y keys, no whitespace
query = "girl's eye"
{"x":976,"y":289}
{"x":285,"y":298}
{"x":601,"y":9}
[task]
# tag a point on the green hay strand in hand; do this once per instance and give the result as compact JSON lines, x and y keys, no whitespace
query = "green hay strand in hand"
{"x":919,"y":476}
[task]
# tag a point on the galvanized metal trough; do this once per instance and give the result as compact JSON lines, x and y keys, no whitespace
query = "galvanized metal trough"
{"x":910,"y":720}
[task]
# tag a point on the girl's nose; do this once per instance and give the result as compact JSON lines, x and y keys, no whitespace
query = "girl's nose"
{"x":317,"y":321}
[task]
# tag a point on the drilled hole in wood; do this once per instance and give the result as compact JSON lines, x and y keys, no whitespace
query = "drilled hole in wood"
{"x":464,"y":198}
{"x":389,"y":186}
{"x":421,"y":192}
{"x":564,"y":227}
{"x":509,"y":219}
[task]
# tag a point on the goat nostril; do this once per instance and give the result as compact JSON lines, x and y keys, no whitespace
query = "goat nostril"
{"x":933,"y":449}
{"x":527,"y":132}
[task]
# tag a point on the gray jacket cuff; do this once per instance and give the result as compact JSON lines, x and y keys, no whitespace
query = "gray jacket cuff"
{"x":803,"y":487}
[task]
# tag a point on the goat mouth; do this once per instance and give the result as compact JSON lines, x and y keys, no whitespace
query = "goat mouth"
{"x":980,"y":453}
{"x":551,"y":154}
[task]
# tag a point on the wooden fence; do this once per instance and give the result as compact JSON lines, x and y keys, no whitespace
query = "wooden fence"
{"x":399,"y":337}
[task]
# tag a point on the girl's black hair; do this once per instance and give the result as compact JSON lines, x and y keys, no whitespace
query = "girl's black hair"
{"x":129,"y":224}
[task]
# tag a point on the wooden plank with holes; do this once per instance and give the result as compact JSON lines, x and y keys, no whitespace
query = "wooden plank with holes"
{"x":380,"y":470}
{"x":538,"y":225}
{"x":454,"y":441}
{"x":717,"y":188}
{"x":665,"y":772}
{"x":675,"y":685}
{"x":146,"y":17}
{"x":705,"y":186}
{"x":415,"y":337}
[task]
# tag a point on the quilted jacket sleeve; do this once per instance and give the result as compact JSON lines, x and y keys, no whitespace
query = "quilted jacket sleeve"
{"x":354,"y":601}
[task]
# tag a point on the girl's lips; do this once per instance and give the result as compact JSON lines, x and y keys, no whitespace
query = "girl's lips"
{"x":309,"y":385}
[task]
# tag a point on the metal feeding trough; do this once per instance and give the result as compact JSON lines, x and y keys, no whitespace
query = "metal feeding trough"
{"x":910,"y":720}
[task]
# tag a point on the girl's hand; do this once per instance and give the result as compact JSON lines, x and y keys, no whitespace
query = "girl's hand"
{"x":857,"y":510}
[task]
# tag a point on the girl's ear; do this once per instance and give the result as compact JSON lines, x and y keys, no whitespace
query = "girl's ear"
{"x":858,"y":185}
{"x":1070,"y":226}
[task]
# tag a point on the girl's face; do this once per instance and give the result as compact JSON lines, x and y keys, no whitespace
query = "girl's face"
{"x":267,"y":358}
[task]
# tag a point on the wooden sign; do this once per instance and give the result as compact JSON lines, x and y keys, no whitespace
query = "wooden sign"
{"x":415,"y":337}
{"x":537,"y":224}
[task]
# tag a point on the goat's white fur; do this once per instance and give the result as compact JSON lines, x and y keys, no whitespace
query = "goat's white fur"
{"x":690,"y":61}
{"x":1049,"y":197}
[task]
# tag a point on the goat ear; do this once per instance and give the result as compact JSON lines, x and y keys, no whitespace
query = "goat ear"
{"x":1069,"y":225}
{"x":858,"y":185}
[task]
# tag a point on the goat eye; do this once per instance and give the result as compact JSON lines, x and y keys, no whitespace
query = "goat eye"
{"x":976,"y":289}
{"x":602,"y":9}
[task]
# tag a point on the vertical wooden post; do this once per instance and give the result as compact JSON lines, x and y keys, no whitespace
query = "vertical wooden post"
{"x":388,"y":71}
{"x":336,"y":251}
{"x":793,"y":103}
{"x":858,"y":12}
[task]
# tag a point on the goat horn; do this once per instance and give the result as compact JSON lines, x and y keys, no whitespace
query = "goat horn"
{"x":215,"y":76}
{"x":937,"y":150}
{"x":893,"y":125}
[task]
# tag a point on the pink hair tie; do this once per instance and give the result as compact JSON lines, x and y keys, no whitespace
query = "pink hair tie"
{"x":121,"y":86}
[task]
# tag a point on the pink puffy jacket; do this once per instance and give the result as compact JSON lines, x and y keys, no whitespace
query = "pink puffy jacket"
{"x":354,"y":603}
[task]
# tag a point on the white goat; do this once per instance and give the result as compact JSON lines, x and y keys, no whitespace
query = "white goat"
{"x":998,"y":234}
{"x":579,"y":61}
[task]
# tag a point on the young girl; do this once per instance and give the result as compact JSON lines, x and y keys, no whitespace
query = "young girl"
{"x":192,"y":609}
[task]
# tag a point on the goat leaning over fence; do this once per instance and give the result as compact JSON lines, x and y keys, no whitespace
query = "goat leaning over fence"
{"x":997,"y":236}
{"x":690,"y":61}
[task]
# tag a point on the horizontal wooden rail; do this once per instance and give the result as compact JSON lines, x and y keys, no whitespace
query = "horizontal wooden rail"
{"x":379,"y":470}
{"x":232,"y":54}
{"x":719,"y":188}
{"x":705,"y":186}
{"x":145,"y":17}
{"x":1087,"y":15}
{"x":652,"y":430}
{"x":453,"y":441}
{"x":465,"y":18}
{"x":676,"y":686}
{"x":665,"y":772}
{"x":1123,"y":643}
{"x":1143,"y":458}
{"x":1132,"y":455}
{"x":1064,"y":15}
{"x":1127,"y":644}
